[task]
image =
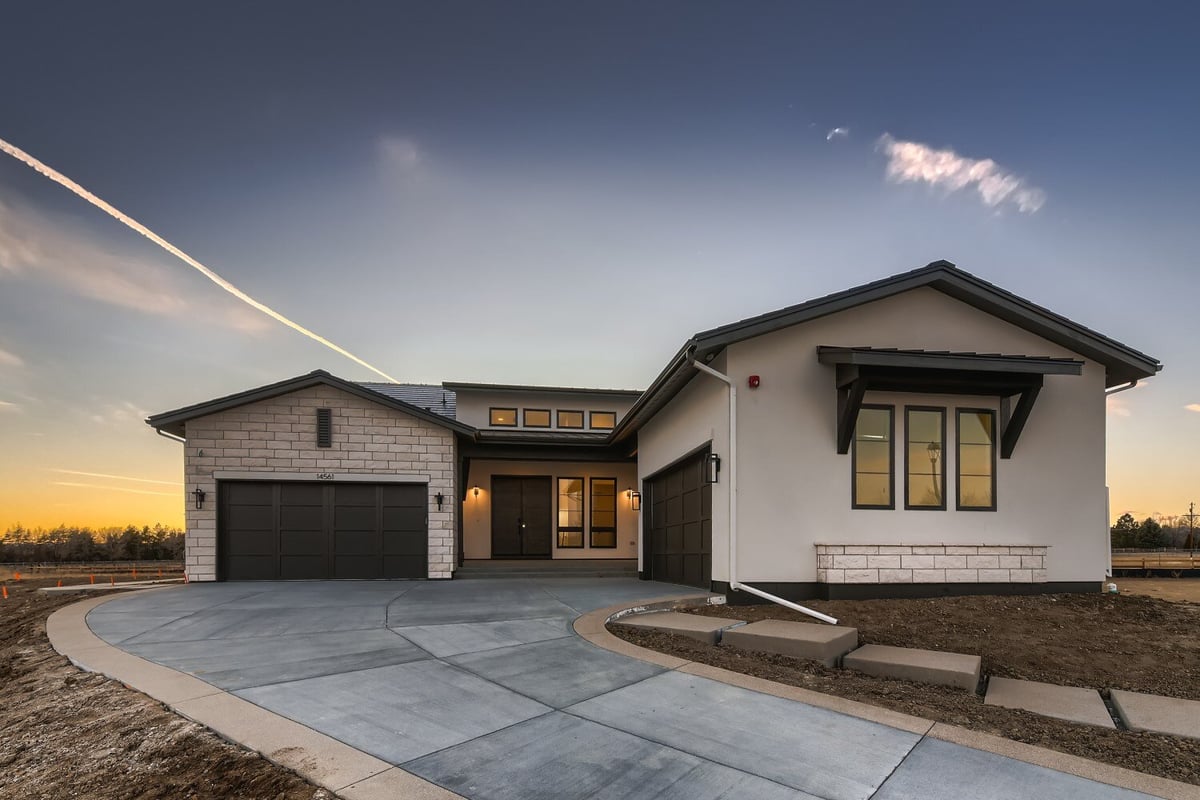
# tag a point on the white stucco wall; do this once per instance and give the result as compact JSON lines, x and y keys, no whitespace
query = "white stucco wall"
{"x":277,"y":437}
{"x":696,"y":416}
{"x":477,"y":510}
{"x":794,"y":488}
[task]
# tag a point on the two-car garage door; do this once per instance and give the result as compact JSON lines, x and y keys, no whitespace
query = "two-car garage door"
{"x":283,"y":530}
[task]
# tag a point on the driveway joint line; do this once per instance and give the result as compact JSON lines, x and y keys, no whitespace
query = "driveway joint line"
{"x":404,"y":764}
{"x":899,"y":764}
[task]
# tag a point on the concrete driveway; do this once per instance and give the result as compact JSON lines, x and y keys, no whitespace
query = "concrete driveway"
{"x":482,"y":687}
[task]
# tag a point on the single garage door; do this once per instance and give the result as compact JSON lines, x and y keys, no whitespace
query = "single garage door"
{"x":681,"y":523}
{"x":292,"y":531}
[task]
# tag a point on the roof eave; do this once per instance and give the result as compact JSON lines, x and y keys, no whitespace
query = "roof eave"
{"x":174,"y":421}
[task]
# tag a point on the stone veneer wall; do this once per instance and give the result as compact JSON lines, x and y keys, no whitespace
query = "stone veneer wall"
{"x":939,"y":563}
{"x":280,"y":436}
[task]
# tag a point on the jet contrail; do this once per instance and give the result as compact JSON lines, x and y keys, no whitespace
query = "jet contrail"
{"x":115,"y":477}
{"x":120,"y":216}
{"x":112,"y":488}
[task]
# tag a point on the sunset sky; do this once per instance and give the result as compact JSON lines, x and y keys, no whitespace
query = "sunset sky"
{"x":561,"y":193}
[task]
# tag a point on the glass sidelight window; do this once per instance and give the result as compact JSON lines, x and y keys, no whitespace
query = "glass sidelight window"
{"x":924,"y":458}
{"x":604,"y":512}
{"x":976,"y":459}
{"x":872,"y":458}
{"x":570,"y":512}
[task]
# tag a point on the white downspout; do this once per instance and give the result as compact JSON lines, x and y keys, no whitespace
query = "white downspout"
{"x":1107,"y":507}
{"x":733,"y":515}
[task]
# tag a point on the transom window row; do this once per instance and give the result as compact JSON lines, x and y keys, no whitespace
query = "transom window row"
{"x":873,"y":462}
{"x":540,"y":418}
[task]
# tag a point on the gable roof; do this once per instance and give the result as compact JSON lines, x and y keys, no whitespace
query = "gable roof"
{"x":1122,"y":363}
{"x":173,"y":421}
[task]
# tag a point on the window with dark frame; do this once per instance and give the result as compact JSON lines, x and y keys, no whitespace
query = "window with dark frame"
{"x":324,"y":427}
{"x":536,"y":417}
{"x":570,"y":512}
{"x":924,"y":458}
{"x":976,"y":473}
{"x":604,"y":512}
{"x":873,"y":458}
{"x":570,"y":419}
{"x":502,"y":417}
{"x":602,"y":420}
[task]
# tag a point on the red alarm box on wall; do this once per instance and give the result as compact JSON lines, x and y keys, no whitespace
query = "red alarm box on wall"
{"x":754,"y":381}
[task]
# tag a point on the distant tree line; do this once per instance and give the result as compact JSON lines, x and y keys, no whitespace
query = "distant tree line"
{"x":69,"y":543}
{"x":1154,"y":533}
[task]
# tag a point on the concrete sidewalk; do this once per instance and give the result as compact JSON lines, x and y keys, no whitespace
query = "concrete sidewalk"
{"x":483,"y":688}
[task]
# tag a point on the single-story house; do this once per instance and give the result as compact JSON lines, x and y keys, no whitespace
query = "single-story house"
{"x":924,"y":434}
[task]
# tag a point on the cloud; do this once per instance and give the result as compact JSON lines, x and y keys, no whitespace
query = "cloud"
{"x":114,"y":477}
{"x":8,"y":359}
{"x":119,"y":414}
{"x":399,"y":153}
{"x":7,"y":406}
{"x":59,"y":251}
{"x":916,"y":162}
{"x":1193,"y":407}
{"x":837,"y":133}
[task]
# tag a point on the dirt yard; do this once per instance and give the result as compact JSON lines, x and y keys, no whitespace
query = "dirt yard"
{"x":69,"y":733}
{"x":1103,"y":641}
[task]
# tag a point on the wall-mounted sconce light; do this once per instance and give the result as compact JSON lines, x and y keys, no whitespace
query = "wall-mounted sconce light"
{"x":635,"y":500}
{"x":199,"y":495}
{"x":714,"y":467}
{"x":476,"y":490}
{"x":440,"y":498}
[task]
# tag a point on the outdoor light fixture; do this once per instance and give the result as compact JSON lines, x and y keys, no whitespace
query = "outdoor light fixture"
{"x":440,"y":498}
{"x":476,"y":491}
{"x":714,"y":467}
{"x":635,"y":500}
{"x":199,"y":495}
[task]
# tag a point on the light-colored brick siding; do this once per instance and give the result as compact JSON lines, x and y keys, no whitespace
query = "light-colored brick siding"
{"x":280,"y":435}
{"x":942,"y":563}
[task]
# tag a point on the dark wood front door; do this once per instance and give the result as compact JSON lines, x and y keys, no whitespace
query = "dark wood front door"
{"x":522,"y":517}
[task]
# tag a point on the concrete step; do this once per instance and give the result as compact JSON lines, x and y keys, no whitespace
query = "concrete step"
{"x":824,"y":643}
{"x":1157,"y":714}
{"x":703,"y":629}
{"x":548,"y":568}
{"x":911,"y":664}
{"x":1072,"y":703}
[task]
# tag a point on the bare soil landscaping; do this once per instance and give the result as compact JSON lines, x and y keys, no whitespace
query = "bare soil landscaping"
{"x":1126,"y":641}
{"x":69,"y":733}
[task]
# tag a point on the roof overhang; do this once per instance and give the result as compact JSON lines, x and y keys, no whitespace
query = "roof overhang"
{"x":858,"y":370}
{"x":174,"y":422}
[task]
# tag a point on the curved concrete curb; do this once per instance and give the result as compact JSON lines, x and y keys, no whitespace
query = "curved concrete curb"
{"x":326,"y":762}
{"x":593,"y":627}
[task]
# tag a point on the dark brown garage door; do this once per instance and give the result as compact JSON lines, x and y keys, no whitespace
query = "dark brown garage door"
{"x":290,"y":531}
{"x":680,"y":539}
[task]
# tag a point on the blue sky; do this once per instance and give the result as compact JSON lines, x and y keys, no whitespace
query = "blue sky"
{"x":561,"y":193}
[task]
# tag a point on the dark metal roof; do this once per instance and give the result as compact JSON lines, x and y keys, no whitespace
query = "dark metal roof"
{"x":946,"y":359}
{"x":512,"y":387}
{"x":173,"y":421}
{"x":430,"y":397}
{"x":1122,"y":363}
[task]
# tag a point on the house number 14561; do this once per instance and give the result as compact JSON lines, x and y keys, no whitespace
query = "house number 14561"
{"x":324,"y":476}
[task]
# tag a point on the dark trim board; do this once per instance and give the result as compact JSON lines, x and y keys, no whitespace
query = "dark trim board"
{"x":798,"y":592}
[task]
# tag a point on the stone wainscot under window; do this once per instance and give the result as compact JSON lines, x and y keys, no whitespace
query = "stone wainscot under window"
{"x":924,"y":563}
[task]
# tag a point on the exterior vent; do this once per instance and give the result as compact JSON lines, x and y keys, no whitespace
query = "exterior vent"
{"x":324,"y":427}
